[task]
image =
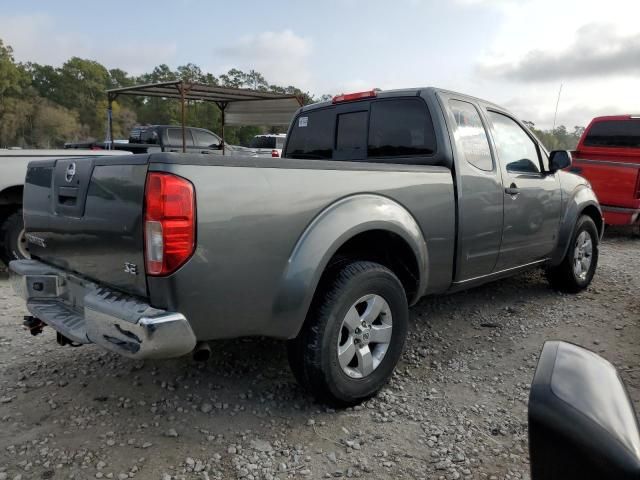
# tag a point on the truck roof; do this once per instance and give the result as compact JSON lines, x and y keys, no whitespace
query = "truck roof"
{"x":401,"y":92}
{"x":628,"y":116}
{"x":59,"y":153}
{"x":146,"y":127}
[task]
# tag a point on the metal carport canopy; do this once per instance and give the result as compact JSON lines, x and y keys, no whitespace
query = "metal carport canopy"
{"x":239,"y":106}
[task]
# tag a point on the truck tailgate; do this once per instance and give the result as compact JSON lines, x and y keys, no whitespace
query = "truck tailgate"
{"x":85,"y":216}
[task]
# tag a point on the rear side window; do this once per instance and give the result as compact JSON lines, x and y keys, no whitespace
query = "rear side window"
{"x":150,"y":136}
{"x":312,"y":135}
{"x":614,"y":133}
{"x":174,"y":135}
{"x":471,"y":137}
{"x":400,"y":128}
{"x":351,"y":135}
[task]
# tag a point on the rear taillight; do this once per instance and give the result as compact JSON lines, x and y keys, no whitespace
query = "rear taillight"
{"x":275,"y":153}
{"x":638,"y":185}
{"x":169,"y":223}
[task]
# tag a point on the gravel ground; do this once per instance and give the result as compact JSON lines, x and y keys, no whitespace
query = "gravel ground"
{"x":455,"y":408}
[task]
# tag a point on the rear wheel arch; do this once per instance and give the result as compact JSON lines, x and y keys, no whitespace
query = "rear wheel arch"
{"x":10,"y":201}
{"x":12,"y":244}
{"x":385,"y":248}
{"x":341,"y":231}
{"x":12,"y":195}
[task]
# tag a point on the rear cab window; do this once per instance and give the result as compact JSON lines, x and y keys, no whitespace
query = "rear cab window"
{"x":385,"y":130}
{"x":263,"y":142}
{"x":351,"y":136}
{"x":312,"y":135}
{"x":614,"y":133}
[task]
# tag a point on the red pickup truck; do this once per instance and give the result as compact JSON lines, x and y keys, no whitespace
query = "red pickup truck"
{"x":608,"y":155}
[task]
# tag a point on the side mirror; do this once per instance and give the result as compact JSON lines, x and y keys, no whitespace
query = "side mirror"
{"x":524,"y":165}
{"x":581,"y":422}
{"x":559,"y":159}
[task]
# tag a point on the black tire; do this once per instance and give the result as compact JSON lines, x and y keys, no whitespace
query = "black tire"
{"x":563,"y":277}
{"x":11,"y":234}
{"x":313,"y":354}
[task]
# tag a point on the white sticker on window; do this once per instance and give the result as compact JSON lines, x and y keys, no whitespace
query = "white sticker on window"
{"x":303,"y":121}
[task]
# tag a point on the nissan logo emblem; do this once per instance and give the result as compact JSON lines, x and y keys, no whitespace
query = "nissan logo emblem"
{"x":71,"y":172}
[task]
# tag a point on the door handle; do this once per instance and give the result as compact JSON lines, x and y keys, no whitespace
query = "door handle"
{"x":512,"y":190}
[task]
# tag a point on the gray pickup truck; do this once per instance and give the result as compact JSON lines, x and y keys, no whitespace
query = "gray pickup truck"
{"x":381,"y":198}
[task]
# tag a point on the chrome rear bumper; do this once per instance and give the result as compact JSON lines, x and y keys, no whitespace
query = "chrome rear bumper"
{"x":86,"y":312}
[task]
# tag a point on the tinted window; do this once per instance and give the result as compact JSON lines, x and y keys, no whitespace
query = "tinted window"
{"x":351,"y":135}
{"x":205,"y":139}
{"x":471,"y":137}
{"x":312,"y":135}
{"x":279,"y":142}
{"x":516,"y":151}
{"x":174,"y":136}
{"x":150,"y":136}
{"x":399,"y":128}
{"x":263,"y":142}
{"x":614,"y":133}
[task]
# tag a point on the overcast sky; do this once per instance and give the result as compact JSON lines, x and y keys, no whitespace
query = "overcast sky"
{"x":512,"y":52}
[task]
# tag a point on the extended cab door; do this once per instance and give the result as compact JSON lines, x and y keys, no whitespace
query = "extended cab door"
{"x":532,"y":196}
{"x":480,"y":196}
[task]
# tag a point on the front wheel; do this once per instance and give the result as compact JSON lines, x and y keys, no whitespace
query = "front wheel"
{"x":353,"y":336}
{"x":579,"y":264}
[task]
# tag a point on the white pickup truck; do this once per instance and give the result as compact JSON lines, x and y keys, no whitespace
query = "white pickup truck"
{"x":13,"y":168}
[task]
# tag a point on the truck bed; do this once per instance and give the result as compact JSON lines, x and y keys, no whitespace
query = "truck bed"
{"x":614,"y":179}
{"x":251,"y":213}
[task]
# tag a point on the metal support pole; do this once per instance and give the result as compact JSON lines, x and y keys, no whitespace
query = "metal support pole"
{"x":224,"y":106}
{"x":184,"y":134}
{"x":110,"y":119}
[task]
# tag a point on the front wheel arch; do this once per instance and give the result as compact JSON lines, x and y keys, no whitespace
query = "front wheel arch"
{"x":582,"y":202}
{"x":563,"y":277}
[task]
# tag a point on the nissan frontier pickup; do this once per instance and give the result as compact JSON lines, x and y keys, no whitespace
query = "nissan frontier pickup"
{"x":380,"y":198}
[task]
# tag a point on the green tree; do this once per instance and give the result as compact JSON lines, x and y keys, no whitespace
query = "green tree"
{"x":15,"y":122}
{"x":190,"y":73}
{"x":82,"y":85}
{"x":44,"y":79}
{"x":557,"y":139}
{"x":54,"y":125}
{"x":41,"y":105}
{"x":13,"y":78}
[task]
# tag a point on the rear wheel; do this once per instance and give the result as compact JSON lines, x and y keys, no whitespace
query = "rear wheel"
{"x":579,"y":265}
{"x":14,"y":244}
{"x":353,"y":336}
